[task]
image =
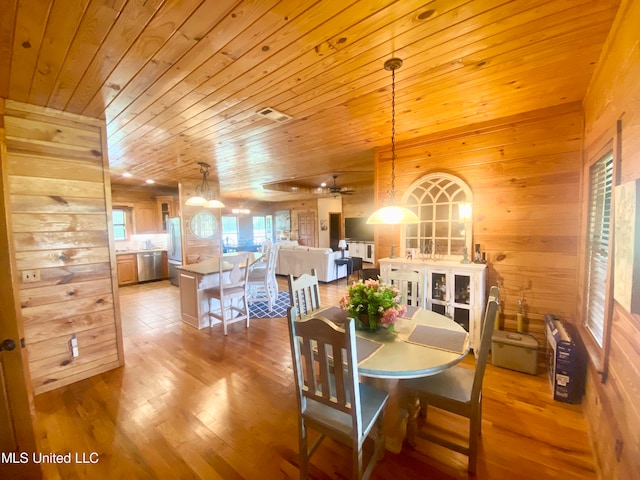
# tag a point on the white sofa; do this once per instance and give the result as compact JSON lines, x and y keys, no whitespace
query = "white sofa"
{"x":297,"y":259}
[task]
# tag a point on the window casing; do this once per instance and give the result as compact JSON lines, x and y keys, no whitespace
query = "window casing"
{"x":119,"y":217}
{"x":437,"y":199}
{"x":597,"y":245}
{"x":259,"y":230}
{"x":600,"y":176}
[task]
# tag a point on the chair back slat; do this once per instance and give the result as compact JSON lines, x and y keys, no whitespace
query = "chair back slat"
{"x":410,"y":282}
{"x":272,"y":258}
{"x":304,"y":293}
{"x":234,"y":270}
{"x":485,"y":340}
{"x":320,"y":347}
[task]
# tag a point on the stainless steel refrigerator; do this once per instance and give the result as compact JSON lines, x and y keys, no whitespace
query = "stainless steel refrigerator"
{"x":174,"y":248}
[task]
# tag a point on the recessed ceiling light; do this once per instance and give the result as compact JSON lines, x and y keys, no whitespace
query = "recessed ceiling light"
{"x":323,"y":184}
{"x":127,"y":174}
{"x":149,"y":181}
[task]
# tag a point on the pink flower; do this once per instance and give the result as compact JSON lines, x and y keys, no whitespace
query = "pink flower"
{"x":375,"y":298}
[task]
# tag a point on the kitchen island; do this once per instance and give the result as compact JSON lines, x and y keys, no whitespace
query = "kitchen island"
{"x":193,"y":280}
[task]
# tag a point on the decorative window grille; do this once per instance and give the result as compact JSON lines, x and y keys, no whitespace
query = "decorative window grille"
{"x":437,"y":199}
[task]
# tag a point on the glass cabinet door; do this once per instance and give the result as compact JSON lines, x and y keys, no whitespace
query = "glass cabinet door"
{"x":438,"y":292}
{"x":461,"y":300}
{"x":450,"y":296}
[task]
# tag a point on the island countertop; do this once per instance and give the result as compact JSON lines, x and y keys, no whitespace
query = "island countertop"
{"x":212,"y":265}
{"x":134,"y":251}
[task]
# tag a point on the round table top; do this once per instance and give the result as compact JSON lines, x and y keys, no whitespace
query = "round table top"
{"x":399,"y":359}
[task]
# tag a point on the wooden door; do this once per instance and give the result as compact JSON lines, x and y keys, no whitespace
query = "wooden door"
{"x":16,"y":400}
{"x":335,"y":229}
{"x":307,"y":229}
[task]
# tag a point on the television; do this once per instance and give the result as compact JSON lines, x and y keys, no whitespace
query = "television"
{"x":356,"y":228}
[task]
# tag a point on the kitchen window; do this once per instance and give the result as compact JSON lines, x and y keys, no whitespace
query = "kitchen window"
{"x":119,"y":224}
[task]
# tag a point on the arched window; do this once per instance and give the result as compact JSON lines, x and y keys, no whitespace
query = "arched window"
{"x":443,"y":203}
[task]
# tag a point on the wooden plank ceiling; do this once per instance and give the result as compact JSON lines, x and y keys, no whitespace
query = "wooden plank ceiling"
{"x":180,"y":82}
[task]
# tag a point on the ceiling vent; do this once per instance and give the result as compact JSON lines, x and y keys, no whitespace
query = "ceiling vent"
{"x":274,"y":115}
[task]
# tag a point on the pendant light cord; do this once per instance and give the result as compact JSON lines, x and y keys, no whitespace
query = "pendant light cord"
{"x":393,"y":135}
{"x":392,"y":64}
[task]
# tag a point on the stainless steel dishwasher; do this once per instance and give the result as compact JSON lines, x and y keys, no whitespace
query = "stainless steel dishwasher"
{"x":149,"y":266}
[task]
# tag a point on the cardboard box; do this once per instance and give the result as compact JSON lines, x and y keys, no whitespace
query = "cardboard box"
{"x":515,"y":351}
{"x":566,"y":360}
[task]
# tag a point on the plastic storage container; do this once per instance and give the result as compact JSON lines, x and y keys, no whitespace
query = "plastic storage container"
{"x":515,"y":351}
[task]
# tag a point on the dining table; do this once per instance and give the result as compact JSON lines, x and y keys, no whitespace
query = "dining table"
{"x":421,"y":343}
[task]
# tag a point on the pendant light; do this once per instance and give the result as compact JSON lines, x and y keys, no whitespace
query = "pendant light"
{"x":392,"y":214}
{"x":202,"y":197}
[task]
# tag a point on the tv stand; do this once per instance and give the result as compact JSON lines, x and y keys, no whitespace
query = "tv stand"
{"x":362,"y":249}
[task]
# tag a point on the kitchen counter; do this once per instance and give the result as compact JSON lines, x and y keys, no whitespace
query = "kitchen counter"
{"x":133,"y":252}
{"x":136,"y":266}
{"x":211,"y":265}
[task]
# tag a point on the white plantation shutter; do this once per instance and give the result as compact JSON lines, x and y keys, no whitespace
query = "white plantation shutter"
{"x":598,"y":230}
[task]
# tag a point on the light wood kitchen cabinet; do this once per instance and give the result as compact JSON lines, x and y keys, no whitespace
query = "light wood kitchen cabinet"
{"x":165,"y":265}
{"x":127,"y":269}
{"x":166,"y":210}
{"x":145,"y":218}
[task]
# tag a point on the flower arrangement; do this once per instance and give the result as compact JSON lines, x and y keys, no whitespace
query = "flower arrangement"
{"x":376,"y":300}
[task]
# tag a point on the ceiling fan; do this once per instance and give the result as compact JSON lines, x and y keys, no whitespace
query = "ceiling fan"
{"x":336,"y":190}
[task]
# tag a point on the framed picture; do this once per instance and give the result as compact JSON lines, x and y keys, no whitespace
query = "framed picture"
{"x":283,"y":220}
{"x":626,"y":284}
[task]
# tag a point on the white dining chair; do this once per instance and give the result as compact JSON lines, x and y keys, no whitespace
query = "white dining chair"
{"x":231,"y":292}
{"x":304,"y":292}
{"x":331,"y":400}
{"x":264,"y":249}
{"x":262,"y":281}
{"x":411,"y":284}
{"x":457,"y":390}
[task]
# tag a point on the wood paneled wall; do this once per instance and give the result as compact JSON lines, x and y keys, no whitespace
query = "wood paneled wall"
{"x":296,"y":206}
{"x":524,"y":172}
{"x":60,"y":211}
{"x":612,"y":408}
{"x":360,"y":204}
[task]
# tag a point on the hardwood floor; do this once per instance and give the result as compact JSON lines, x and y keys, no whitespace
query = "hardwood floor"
{"x":196,"y":404}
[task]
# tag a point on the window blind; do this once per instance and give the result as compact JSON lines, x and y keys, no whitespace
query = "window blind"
{"x":598,"y":231}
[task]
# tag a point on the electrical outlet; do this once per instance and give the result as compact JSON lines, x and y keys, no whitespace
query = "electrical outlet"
{"x":30,"y":276}
{"x":73,"y":343}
